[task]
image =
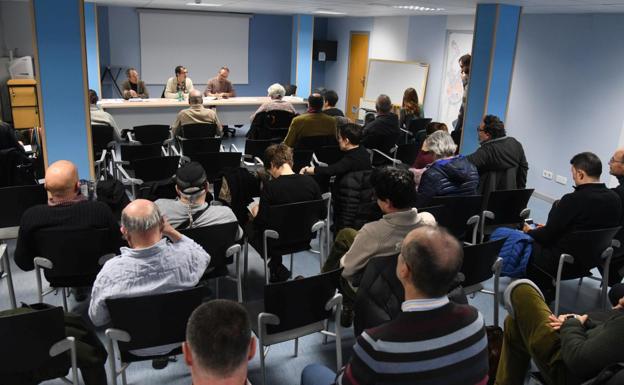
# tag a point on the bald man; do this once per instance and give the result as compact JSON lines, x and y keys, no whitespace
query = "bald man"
{"x":196,"y":113}
{"x":151,"y":265}
{"x":67,"y":209}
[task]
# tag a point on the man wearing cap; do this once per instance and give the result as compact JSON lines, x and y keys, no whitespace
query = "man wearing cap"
{"x":190,"y":209}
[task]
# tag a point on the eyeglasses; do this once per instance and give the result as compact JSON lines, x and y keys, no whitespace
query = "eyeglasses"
{"x":613,"y":160}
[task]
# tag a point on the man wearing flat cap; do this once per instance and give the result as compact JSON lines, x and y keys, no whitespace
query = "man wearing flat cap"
{"x":190,"y":209}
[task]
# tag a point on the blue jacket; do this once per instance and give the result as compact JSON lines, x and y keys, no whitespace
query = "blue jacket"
{"x":515,"y":251}
{"x":454,"y":176}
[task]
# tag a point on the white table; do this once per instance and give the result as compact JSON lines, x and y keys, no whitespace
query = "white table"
{"x":238,"y":110}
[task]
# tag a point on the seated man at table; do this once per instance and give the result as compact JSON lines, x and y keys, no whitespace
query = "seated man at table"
{"x":219,"y":87}
{"x":313,"y":123}
{"x":180,"y":84}
{"x":99,"y":116}
{"x":196,"y":113}
{"x":133,"y":87}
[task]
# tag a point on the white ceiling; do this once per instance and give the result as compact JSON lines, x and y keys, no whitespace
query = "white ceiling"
{"x":375,"y":7}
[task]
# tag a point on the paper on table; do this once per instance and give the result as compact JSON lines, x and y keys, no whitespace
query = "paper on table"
{"x":135,"y":100}
{"x":28,"y":148}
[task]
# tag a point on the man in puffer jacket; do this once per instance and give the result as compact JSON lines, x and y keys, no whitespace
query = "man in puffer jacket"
{"x":448,"y":174}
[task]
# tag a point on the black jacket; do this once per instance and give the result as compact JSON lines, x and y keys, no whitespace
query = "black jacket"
{"x":333,"y":112}
{"x":590,"y":206}
{"x":354,"y":201}
{"x":382,"y":133}
{"x":455,"y":176}
{"x":501,"y":164}
{"x":619,"y":190}
{"x":356,"y":159}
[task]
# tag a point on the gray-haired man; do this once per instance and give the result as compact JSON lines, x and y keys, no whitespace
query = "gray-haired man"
{"x":151,"y":265}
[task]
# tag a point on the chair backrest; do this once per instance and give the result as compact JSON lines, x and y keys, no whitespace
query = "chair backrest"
{"x":130,"y":152}
{"x":15,"y":200}
{"x":256,"y":147}
{"x":313,"y":143}
{"x":216,"y":162}
{"x":151,"y":133}
{"x":27,"y":339}
{"x":301,"y":158}
{"x":418,"y":124}
{"x":586,"y":246}
{"x":278,"y":119}
{"x":154,"y":320}
{"x":462,"y":207}
{"x":196,"y":146}
{"x":478,"y":261}
{"x":75,"y":254}
{"x":101,"y":135}
{"x":300,"y":302}
{"x":215,"y":239}
{"x":291,"y":89}
{"x":329,"y":154}
{"x":293,"y":222}
{"x":154,"y":169}
{"x":199,"y":130}
{"x":407,"y":153}
{"x":507,"y":205}
{"x":439,"y":212}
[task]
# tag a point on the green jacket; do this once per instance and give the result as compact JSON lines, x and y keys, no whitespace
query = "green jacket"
{"x":310,"y":124}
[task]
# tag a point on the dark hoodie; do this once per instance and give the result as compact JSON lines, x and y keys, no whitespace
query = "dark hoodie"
{"x":453,"y":176}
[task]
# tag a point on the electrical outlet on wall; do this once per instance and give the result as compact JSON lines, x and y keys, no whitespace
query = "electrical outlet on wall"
{"x":547,"y":174}
{"x":561,"y":179}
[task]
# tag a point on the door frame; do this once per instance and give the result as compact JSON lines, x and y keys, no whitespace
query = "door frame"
{"x":351,"y":33}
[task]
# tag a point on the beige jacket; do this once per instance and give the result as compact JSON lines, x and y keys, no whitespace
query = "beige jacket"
{"x":380,"y":238}
{"x":196,"y":114}
{"x":171,"y":91}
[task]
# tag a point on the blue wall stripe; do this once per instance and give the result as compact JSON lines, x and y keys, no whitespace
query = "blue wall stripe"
{"x":293,"y":49}
{"x":60,"y":56}
{"x":91,"y":37}
{"x":305,"y":38}
{"x":504,"y":53}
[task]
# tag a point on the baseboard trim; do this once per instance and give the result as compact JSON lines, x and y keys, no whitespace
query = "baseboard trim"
{"x":544,"y":197}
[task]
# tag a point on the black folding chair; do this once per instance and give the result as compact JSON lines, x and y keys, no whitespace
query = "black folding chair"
{"x":506,"y":208}
{"x":295,"y":309}
{"x":103,"y":140}
{"x":406,"y":153}
{"x":481,"y":262}
{"x":327,"y":155}
{"x":313,"y":143}
{"x":254,"y":149}
{"x":150,"y":171}
{"x":198,"y":130}
{"x":301,"y":158}
{"x":126,"y":153}
{"x":192,"y":147}
{"x":291,"y":228}
{"x":34,"y":341}
{"x":70,"y":258}
{"x":148,"y":321}
{"x":150,"y":133}
{"x":219,"y":241}
{"x":13,"y":202}
{"x":214,"y":163}
{"x":464,"y":221}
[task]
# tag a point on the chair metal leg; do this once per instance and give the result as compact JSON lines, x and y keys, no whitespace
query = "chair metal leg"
{"x":112,"y":362}
{"x":4,"y":258}
{"x":124,"y":380}
{"x":262,"y":367}
{"x":325,"y":335}
{"x":217,"y":287}
{"x":39,"y":286}
{"x":580,"y":281}
{"x":292,"y":259}
{"x":64,"y":293}
{"x":246,"y":260}
{"x":296,"y":346}
{"x":338,"y":332}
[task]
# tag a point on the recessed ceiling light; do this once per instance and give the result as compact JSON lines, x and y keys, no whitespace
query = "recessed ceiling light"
{"x":204,"y":4}
{"x":325,"y":12}
{"x":417,"y":8}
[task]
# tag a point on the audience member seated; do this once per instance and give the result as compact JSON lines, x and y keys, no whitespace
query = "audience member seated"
{"x":178,"y":85}
{"x":500,"y":159}
{"x":616,"y":168}
{"x":355,"y":157}
{"x":276,"y":92}
{"x":425,"y":157}
{"x":219,"y":343}
{"x":133,"y":87}
{"x":352,"y":249}
{"x":191,"y":210}
{"x":312,"y":123}
{"x":591,"y":206}
{"x":568,"y":349}
{"x":219,"y":87}
{"x":284,"y":187}
{"x":196,"y":113}
{"x":433,"y":340}
{"x":329,"y":105}
{"x":382,"y":133}
{"x":99,"y":116}
{"x":16,"y":166}
{"x":67,"y":209}
{"x":448,"y":174}
{"x":410,"y":108}
{"x":8,"y":138}
{"x":151,"y":265}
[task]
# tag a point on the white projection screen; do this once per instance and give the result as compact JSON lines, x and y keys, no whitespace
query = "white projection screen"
{"x":202,"y":42}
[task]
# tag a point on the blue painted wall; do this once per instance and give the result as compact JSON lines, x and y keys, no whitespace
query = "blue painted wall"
{"x":92,"y":46}
{"x":269,"y":49}
{"x":305,"y":37}
{"x":64,"y":98}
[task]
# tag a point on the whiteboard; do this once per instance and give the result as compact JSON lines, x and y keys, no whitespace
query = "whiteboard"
{"x":202,"y":42}
{"x":393,"y":77}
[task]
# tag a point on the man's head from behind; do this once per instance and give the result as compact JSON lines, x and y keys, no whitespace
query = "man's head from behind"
{"x":491,"y":128}
{"x":429,"y":262}
{"x":586,"y":168}
{"x":278,"y":158}
{"x":331,"y":98}
{"x":394,"y":188}
{"x":93,"y":97}
{"x":383,"y":104}
{"x":141,"y":223}
{"x":195,"y":97}
{"x":61,"y":180}
{"x":191,"y":183}
{"x":218,"y":343}
{"x":315,"y":102}
{"x":616,"y":163}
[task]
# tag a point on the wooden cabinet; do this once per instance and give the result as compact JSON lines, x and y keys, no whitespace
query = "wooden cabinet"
{"x":24,"y":104}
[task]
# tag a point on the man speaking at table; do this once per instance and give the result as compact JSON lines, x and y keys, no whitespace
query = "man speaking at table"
{"x":219,"y":86}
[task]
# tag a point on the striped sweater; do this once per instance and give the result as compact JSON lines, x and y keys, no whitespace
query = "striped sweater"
{"x":445,"y":345}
